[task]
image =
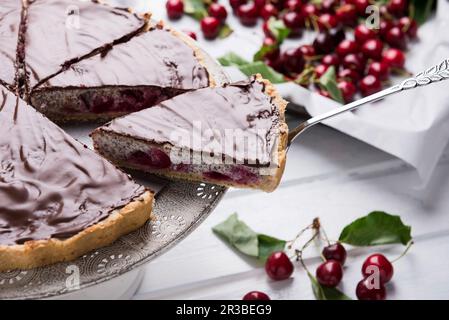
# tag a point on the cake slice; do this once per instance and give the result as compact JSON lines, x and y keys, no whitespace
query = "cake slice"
{"x":58,"y":199}
{"x":147,"y":69}
{"x":10,"y":21}
{"x":234,"y":135}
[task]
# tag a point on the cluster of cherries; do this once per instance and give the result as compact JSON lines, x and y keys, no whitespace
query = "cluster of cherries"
{"x":330,"y":273}
{"x":362,"y":63}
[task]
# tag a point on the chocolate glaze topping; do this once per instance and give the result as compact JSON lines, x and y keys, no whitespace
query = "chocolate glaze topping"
{"x":10,"y":18}
{"x":60,"y":32}
{"x":51,"y":186}
{"x":155,"y":58}
{"x":241,"y":106}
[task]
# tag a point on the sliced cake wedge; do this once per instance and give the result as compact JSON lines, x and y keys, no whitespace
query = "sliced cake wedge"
{"x":233,"y":135}
{"x":58,"y":199}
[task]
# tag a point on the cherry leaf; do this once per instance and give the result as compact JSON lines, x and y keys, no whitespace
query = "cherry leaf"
{"x":328,"y":82}
{"x":324,"y":293}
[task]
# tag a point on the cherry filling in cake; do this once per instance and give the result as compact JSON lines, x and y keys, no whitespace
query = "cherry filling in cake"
{"x":155,"y":158}
{"x":108,"y":101}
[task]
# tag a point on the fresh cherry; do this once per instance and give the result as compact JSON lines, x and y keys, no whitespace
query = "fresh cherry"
{"x":256,"y":295}
{"x":236,"y":3}
{"x":309,"y":10}
{"x":323,"y":43}
{"x":266,"y":30}
{"x":191,"y":34}
{"x":361,"y":6}
{"x":347,"y":14}
{"x":362,"y":34}
{"x":354,"y":61}
{"x":331,"y":60}
{"x":372,"y":49}
{"x":278,"y":266}
{"x":383,"y":265}
{"x":346,"y":47}
{"x":395,"y":37}
{"x":336,"y":251}
{"x":337,"y":35}
{"x":293,"y":60}
{"x":175,"y":9}
{"x":394,"y":58}
{"x":294,"y":5}
{"x":328,"y":6}
{"x":370,"y":85}
{"x":366,"y":291}
{"x":268,"y":11}
{"x":380,"y":70}
{"x":248,"y":14}
{"x":210,"y":27}
{"x":384,"y":27}
{"x":349,"y":74}
{"x":329,"y":273}
{"x":397,"y":7}
{"x":294,"y":22}
{"x":409,"y":27}
{"x":308,"y":51}
{"x":320,"y":70}
{"x":274,"y":53}
{"x":327,"y":21}
{"x":218,"y":11}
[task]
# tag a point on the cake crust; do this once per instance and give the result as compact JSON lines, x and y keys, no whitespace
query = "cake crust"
{"x":38,"y":253}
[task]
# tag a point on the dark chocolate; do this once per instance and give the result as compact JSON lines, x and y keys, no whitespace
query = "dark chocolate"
{"x":244,"y":109}
{"x":155,"y":58}
{"x":51,"y":186}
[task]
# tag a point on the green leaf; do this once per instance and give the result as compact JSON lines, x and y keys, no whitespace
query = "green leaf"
{"x":266,"y":71}
{"x":259,"y":55}
{"x":232,"y":59}
{"x":422,"y":10}
{"x":239,"y":235}
{"x":225,"y":31}
{"x":377,"y":228}
{"x":328,"y":82}
{"x":324,"y":293}
{"x":268,"y":245}
{"x":278,"y":29}
{"x":195,"y":8}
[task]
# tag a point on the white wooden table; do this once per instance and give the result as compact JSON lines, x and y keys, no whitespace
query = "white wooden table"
{"x":328,"y":175}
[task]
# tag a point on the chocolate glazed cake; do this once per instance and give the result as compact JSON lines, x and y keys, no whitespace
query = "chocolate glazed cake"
{"x":58,"y":199}
{"x":234,"y":135}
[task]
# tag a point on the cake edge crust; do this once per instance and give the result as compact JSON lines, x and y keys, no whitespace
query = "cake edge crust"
{"x":38,"y":253}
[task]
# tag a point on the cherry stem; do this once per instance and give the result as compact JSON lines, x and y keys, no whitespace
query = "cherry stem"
{"x":409,"y":245}
{"x":292,"y":242}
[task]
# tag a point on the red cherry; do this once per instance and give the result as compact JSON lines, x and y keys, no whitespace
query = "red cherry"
{"x":210,"y":27}
{"x":327,"y":21}
{"x":346,"y":47}
{"x":278,"y":266}
{"x":347,"y":14}
{"x":248,"y":14}
{"x":268,"y":11}
{"x":308,"y":51}
{"x":259,"y":3}
{"x":380,"y":70}
{"x":354,"y":61}
{"x":191,"y":34}
{"x":348,"y":90}
{"x":323,"y":43}
{"x":293,"y":21}
{"x":397,"y":7}
{"x":361,"y":6}
{"x":293,"y":60}
{"x":328,"y":6}
{"x":384,"y":27}
{"x":320,"y":70}
{"x":349,"y":74}
{"x":218,"y":11}
{"x":331,"y":60}
{"x":256,"y":295}
{"x":362,"y":33}
{"x":329,"y":273}
{"x":365,"y":291}
{"x":372,"y":49}
{"x":309,"y":10}
{"x":394,"y":58}
{"x":382,"y":264}
{"x":395,"y":37}
{"x":294,"y":5}
{"x":336,"y":251}
{"x":370,"y":85}
{"x":274,"y":53}
{"x":175,"y":9}
{"x":409,"y":27}
{"x":236,"y":3}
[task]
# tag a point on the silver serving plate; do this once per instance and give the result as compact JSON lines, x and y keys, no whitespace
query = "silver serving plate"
{"x":180,"y":207}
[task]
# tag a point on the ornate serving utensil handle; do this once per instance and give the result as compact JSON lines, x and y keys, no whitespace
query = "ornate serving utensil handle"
{"x":437,"y":73}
